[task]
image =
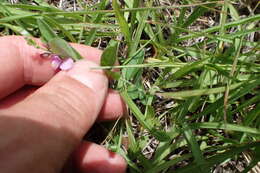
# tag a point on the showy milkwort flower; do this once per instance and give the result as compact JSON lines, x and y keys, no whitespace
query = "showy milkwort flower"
{"x":57,"y":62}
{"x":66,"y":64}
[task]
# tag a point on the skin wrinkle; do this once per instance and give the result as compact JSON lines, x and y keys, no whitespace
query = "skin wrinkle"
{"x":66,"y":98}
{"x":76,"y":97}
{"x":55,"y":121}
{"x":66,"y":114}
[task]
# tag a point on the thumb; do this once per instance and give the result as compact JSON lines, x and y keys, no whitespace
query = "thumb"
{"x":50,"y":123}
{"x":73,"y":97}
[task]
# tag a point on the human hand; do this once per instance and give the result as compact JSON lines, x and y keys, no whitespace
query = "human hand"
{"x":42,"y":125}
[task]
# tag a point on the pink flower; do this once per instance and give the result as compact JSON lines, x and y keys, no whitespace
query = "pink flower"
{"x":67,"y":64}
{"x":56,"y":61}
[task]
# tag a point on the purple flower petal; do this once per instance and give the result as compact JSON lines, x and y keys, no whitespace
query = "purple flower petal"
{"x":67,"y":64}
{"x":55,"y":63}
{"x":55,"y":57}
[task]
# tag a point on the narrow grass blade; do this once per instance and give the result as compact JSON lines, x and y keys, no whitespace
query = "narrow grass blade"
{"x":46,"y":31}
{"x":92,"y":34}
{"x":223,"y":18}
{"x":226,"y":26}
{"x":169,"y":163}
{"x":195,"y":149}
{"x":16,"y":17}
{"x":138,"y":32}
{"x":130,"y":73}
{"x":34,"y":7}
{"x":122,"y":22}
{"x":160,"y":135}
{"x":228,"y":127}
{"x":236,"y":94}
{"x":58,"y":25}
{"x":187,"y":68}
{"x":198,"y":92}
{"x":252,"y":115}
{"x":219,"y":158}
{"x":198,"y":11}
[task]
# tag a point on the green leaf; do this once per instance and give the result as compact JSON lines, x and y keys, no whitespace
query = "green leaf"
{"x":138,"y":33}
{"x":113,"y":75}
{"x":219,"y":158}
{"x":169,"y":163}
{"x":109,"y":55}
{"x":159,"y":134}
{"x":62,"y":48}
{"x":108,"y":58}
{"x":227,"y":25}
{"x":131,"y":73}
{"x":188,"y":68}
{"x":231,"y":127}
{"x":234,"y":95}
{"x":46,"y":31}
{"x":92,"y":34}
{"x":16,"y":17}
{"x":194,"y":146}
{"x":198,"y":92}
{"x":122,"y":22}
{"x":43,"y":7}
{"x":58,"y":25}
{"x":198,"y":11}
{"x":252,"y":115}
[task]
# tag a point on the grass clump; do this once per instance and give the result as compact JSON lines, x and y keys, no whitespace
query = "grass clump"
{"x":189,"y":75}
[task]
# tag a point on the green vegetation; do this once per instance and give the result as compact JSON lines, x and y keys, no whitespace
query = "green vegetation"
{"x":190,"y":75}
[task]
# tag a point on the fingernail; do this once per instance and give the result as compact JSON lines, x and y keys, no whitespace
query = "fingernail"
{"x":92,"y":78}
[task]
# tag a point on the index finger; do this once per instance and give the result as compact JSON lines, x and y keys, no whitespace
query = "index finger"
{"x":22,"y":64}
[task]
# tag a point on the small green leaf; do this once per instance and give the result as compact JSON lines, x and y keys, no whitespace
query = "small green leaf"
{"x":109,"y":55}
{"x":113,"y":75}
{"x":56,"y":44}
{"x":62,"y":48}
{"x":131,"y":73}
{"x":46,"y":31}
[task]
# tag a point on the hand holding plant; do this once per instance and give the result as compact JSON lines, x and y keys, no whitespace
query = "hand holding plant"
{"x":42,"y":124}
